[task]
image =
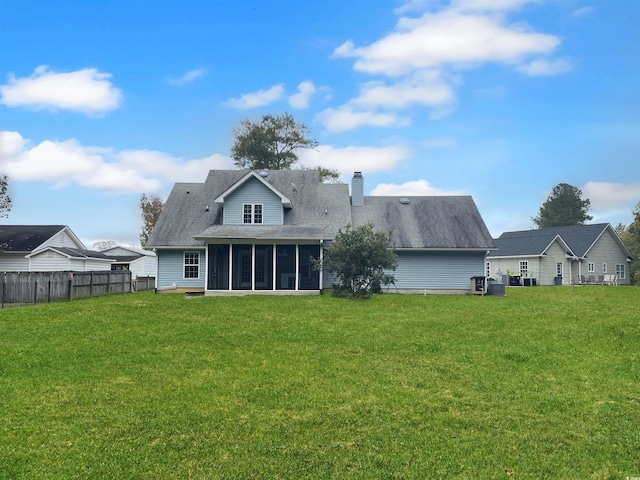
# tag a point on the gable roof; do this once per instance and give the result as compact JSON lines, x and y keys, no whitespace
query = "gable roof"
{"x":27,"y":238}
{"x":261,"y":177}
{"x":190,"y":213}
{"x":73,"y":253}
{"x":132,"y":251}
{"x":435,"y":222}
{"x":578,"y":239}
{"x":318,"y":211}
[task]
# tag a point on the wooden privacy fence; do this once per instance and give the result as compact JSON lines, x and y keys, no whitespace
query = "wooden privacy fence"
{"x":44,"y":287}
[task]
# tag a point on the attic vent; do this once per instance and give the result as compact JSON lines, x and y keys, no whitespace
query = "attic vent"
{"x":404,"y":201}
{"x":264,"y":173}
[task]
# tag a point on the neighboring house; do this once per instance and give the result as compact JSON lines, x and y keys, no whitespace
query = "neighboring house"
{"x":569,"y":255}
{"x":141,"y":263}
{"x":46,"y":248}
{"x":247,"y":231}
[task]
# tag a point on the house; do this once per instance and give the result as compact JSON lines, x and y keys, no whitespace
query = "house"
{"x":45,"y":248}
{"x":141,"y":263}
{"x":569,"y":255}
{"x":245,"y":232}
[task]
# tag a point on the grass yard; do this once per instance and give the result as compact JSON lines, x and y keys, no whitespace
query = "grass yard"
{"x":544,"y":383}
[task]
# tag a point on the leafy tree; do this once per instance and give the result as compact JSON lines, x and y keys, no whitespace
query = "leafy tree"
{"x":150,"y":208}
{"x":270,"y":143}
{"x":563,"y":207}
{"x":5,"y":199}
{"x":631,"y":238}
{"x":359,"y":257}
{"x":104,"y":245}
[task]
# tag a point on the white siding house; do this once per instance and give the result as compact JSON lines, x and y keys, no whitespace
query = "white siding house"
{"x":571,"y":255}
{"x":42,"y":248}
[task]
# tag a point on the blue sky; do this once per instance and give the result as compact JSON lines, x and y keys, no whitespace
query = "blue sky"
{"x":499,"y":99}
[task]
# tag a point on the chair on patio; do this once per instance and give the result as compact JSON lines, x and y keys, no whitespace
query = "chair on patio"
{"x":600,"y":279}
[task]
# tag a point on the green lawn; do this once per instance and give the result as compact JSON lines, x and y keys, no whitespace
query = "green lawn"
{"x":544,"y":382}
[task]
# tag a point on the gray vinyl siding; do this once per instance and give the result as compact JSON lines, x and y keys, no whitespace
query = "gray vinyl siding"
{"x":438,"y":270}
{"x":49,"y":262}
{"x":171,"y":269}
{"x":14,"y":262}
{"x":253,"y":191}
{"x":606,"y":250}
{"x":62,"y":239}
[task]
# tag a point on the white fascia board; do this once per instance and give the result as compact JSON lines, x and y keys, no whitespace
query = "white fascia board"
{"x":286,"y":202}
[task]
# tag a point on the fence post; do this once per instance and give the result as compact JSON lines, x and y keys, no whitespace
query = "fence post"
{"x":49,"y":292}
{"x":91,"y":285}
{"x":4,"y":288}
{"x":35,"y":292}
{"x":70,"y":286}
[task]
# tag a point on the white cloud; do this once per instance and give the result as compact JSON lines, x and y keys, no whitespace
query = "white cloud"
{"x":611,"y":196}
{"x":423,"y":52}
{"x":489,"y":5}
{"x":257,"y":99}
{"x":301,"y":99}
{"x":171,"y":168}
{"x":347,"y":118}
{"x":87,"y":91}
{"x":423,"y":88}
{"x":546,"y":67}
{"x":188,"y":77}
{"x":70,"y":162}
{"x":414,"y":188}
{"x":447,"y":38}
{"x":584,"y":11}
{"x":351,"y":159}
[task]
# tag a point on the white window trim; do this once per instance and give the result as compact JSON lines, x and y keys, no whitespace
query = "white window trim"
{"x":253,"y":213}
{"x":524,"y":271}
{"x":604,"y":268}
{"x":591,"y":267}
{"x":621,"y":271}
{"x":185,"y":264}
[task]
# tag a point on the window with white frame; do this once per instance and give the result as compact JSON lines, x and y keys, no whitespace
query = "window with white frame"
{"x":604,"y":268}
{"x":524,"y":268}
{"x":591,"y":267}
{"x":191,"y":264}
{"x":621,"y":271}
{"x":558,"y":269}
{"x":252,"y":213}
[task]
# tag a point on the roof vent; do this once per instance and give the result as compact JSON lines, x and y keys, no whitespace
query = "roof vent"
{"x":263,"y":173}
{"x":404,"y":201}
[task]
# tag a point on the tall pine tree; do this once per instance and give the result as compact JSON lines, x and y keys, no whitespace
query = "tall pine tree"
{"x":563,"y":207}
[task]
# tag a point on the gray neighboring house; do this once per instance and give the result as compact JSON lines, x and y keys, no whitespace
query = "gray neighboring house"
{"x":141,"y":263}
{"x":46,"y":248}
{"x":571,"y":255}
{"x":245,"y":232}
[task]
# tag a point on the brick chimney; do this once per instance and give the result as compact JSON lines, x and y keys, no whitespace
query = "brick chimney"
{"x":357,"y":190}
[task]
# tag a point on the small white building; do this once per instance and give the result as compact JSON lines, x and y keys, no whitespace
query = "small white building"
{"x":141,"y":263}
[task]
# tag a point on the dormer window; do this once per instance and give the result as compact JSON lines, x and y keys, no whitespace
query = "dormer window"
{"x":252,"y":213}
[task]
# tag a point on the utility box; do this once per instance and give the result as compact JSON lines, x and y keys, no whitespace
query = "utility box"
{"x":496,"y":289}
{"x":478,"y":285}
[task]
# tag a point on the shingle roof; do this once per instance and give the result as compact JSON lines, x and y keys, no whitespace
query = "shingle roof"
{"x":26,"y":238}
{"x":318,"y":211}
{"x":579,"y":238}
{"x":438,"y":222}
{"x":76,"y":253}
{"x":185,"y":213}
